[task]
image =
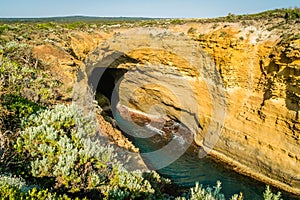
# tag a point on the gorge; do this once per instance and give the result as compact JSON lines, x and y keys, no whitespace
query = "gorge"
{"x":235,"y":85}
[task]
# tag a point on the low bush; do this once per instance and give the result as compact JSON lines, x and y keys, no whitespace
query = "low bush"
{"x":24,"y":89}
{"x":47,"y":26}
{"x":62,"y":143}
{"x":19,"y":107}
{"x":268,"y":195}
{"x":16,"y":188}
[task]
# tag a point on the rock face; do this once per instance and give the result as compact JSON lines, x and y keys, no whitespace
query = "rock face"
{"x":261,"y":81}
{"x":64,"y":52}
{"x":236,"y":86}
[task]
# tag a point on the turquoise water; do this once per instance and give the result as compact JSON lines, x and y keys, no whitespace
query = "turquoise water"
{"x":189,"y":169}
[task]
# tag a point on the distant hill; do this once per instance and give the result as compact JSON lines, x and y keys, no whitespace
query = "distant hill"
{"x":68,"y":19}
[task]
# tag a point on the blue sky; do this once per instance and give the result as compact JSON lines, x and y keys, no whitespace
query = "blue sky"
{"x":138,"y":8}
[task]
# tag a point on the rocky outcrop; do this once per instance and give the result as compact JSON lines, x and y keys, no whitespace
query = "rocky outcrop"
{"x":60,"y":64}
{"x":63,"y":53}
{"x":81,"y":43}
{"x":115,"y":135}
{"x":239,"y":92}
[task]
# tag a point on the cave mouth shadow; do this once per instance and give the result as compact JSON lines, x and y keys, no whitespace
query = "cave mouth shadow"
{"x":108,"y":81}
{"x":110,"y":76}
{"x":106,"y":87}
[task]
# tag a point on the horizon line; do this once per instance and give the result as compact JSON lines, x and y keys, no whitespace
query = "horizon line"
{"x":133,"y":17}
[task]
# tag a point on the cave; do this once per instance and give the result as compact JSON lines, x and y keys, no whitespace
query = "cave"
{"x":107,"y":83}
{"x":109,"y":78}
{"x":105,"y":88}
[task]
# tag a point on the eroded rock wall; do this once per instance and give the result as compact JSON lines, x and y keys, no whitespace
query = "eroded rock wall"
{"x":258,"y":67}
{"x":261,"y":77}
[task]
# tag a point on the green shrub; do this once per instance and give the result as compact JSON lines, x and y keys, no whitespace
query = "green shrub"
{"x":11,"y":77}
{"x":177,"y":21}
{"x":135,"y":185}
{"x":130,"y":185}
{"x":231,"y":17}
{"x":62,"y":144}
{"x":76,"y":25}
{"x":296,"y":37}
{"x":12,"y":181}
{"x":19,"y":106}
{"x":191,"y":30}
{"x":4,"y":27}
{"x":14,"y":109}
{"x":268,"y":195}
{"x":16,"y":188}
{"x":24,"y":89}
{"x":198,"y":192}
{"x":30,"y":81}
{"x":208,"y":193}
{"x":14,"y":46}
{"x":46,"y":26}
{"x":201,"y":35}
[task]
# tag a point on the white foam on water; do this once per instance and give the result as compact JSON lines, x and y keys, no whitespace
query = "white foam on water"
{"x":156,"y":130}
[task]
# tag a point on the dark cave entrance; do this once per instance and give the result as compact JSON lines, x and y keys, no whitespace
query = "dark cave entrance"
{"x":105,"y":88}
{"x":110,"y":76}
{"x":107,"y":83}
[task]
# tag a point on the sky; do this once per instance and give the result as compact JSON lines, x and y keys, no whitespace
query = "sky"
{"x":139,"y":8}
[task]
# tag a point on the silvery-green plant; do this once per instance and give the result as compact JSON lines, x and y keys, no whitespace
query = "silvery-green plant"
{"x":12,"y":187}
{"x":133,"y":181}
{"x":12,"y":181}
{"x":208,"y":194}
{"x":133,"y":185}
{"x":268,"y":195}
{"x":62,"y":143}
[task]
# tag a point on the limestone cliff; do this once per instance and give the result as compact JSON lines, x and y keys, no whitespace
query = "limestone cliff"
{"x":261,"y":79}
{"x":258,"y":67}
{"x":248,"y":71}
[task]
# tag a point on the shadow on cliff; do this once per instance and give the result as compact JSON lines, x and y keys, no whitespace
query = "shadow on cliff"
{"x":282,"y":81}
